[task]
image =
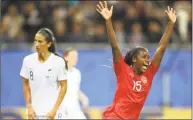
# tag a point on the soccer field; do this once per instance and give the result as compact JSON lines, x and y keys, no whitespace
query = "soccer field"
{"x":96,"y":113}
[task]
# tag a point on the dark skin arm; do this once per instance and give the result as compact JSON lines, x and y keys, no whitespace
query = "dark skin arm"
{"x":165,"y":38}
{"x":107,"y":14}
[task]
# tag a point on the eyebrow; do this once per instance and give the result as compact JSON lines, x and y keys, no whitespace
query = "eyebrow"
{"x":145,"y":54}
{"x":38,"y":40}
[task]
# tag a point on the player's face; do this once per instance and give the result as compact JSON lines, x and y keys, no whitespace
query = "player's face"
{"x":142,"y":61}
{"x":41,"y":44}
{"x":72,"y":58}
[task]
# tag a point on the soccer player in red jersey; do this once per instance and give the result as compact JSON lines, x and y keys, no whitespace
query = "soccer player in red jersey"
{"x":135,"y":71}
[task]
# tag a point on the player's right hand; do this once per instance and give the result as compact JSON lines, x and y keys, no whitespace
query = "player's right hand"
{"x":171,"y":14}
{"x":102,"y":8}
{"x":31,"y":113}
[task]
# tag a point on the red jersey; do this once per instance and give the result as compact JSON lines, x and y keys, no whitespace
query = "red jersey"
{"x":131,"y":91}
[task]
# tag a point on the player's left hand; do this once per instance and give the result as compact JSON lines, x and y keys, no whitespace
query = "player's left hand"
{"x":171,"y":14}
{"x":51,"y":114}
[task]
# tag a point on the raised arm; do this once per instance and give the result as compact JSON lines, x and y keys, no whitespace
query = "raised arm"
{"x":102,"y":8}
{"x":165,"y":38}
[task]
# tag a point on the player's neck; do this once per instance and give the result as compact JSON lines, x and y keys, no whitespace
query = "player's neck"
{"x":42,"y":57}
{"x":136,"y":72}
{"x":70,"y":68}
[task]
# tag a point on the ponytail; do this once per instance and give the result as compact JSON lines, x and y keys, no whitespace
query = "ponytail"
{"x":52,"y":48}
{"x":62,"y":58}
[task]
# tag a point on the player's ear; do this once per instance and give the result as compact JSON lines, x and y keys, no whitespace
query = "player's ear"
{"x":134,"y":59}
{"x":49,"y":44}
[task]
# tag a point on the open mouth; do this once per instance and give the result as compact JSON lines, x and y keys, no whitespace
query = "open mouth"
{"x":145,"y":65}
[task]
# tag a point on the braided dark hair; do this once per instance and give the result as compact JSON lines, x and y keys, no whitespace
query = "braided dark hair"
{"x":49,"y":37}
{"x":132,"y":54}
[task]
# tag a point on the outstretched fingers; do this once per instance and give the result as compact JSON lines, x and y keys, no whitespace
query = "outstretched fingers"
{"x":98,"y":10}
{"x":111,"y":9}
{"x":101,"y":4}
{"x":174,"y":12}
{"x":105,"y":4}
{"x":166,"y":11}
{"x":169,"y":9}
{"x":99,"y":7}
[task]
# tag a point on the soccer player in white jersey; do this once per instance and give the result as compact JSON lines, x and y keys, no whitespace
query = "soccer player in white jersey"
{"x":74,"y":94}
{"x":43,"y":73}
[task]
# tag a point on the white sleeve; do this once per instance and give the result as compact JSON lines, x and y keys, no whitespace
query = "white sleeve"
{"x":24,"y":70}
{"x":62,"y":74}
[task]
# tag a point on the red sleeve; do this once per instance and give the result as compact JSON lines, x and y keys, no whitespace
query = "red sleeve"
{"x":118,"y":67}
{"x":152,"y":69}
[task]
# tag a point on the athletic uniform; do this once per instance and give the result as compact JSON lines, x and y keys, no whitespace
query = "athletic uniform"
{"x":131,"y":91}
{"x":43,"y":81}
{"x":70,"y":103}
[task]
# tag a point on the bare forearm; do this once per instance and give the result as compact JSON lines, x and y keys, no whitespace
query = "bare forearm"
{"x":112,"y":40}
{"x":163,"y":44}
{"x":83,"y":98}
{"x":165,"y":38}
{"x":111,"y":34}
{"x":60,"y":97}
{"x":107,"y":14}
{"x":27,"y":94}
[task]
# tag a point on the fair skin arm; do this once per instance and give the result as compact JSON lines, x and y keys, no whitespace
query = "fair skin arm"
{"x":83,"y":98}
{"x":61,"y":95}
{"x":165,"y":38}
{"x":102,"y":8}
{"x":27,"y":96}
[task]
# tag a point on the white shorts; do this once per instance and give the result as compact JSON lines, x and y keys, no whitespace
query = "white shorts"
{"x":73,"y":112}
{"x":59,"y":115}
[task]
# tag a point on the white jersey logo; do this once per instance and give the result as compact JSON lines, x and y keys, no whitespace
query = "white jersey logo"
{"x":144,"y":79}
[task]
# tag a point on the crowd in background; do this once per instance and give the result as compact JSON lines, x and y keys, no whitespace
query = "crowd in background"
{"x":134,"y":22}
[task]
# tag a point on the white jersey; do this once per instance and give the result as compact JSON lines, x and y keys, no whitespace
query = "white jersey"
{"x":43,"y":80}
{"x":71,"y":102}
{"x":73,"y":87}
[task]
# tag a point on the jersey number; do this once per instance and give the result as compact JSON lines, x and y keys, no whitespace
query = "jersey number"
{"x":137,"y":85}
{"x":31,"y":75}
